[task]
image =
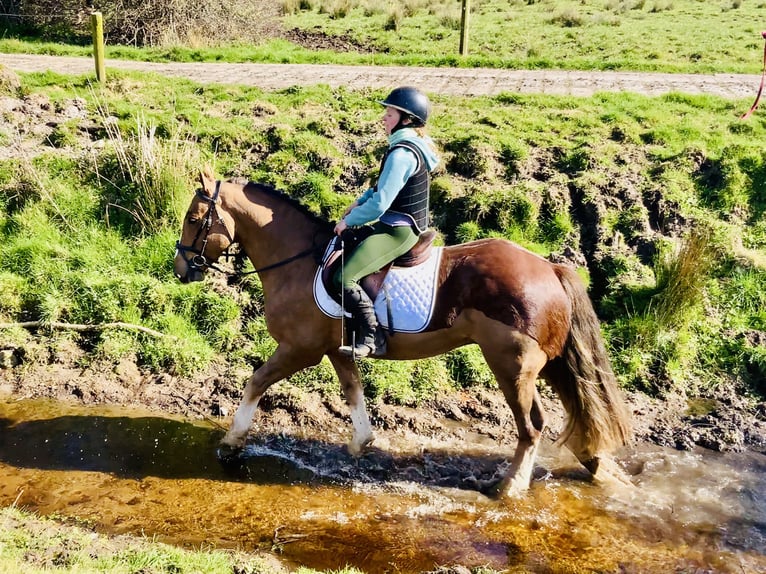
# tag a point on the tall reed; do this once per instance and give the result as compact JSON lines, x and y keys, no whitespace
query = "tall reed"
{"x":681,"y":276}
{"x":159,"y":168}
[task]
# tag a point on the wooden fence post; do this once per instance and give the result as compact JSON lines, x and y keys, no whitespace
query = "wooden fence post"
{"x":97,"y":27}
{"x":464,"y":25}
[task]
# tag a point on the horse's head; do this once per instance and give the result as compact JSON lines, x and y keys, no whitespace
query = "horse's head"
{"x":206,"y":232}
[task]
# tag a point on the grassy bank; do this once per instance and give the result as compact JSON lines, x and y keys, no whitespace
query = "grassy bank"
{"x":33,"y":545}
{"x":689,"y":36}
{"x":658,"y":200}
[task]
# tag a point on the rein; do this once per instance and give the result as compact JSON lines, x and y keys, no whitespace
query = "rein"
{"x":305,"y":253}
{"x":199,"y":262}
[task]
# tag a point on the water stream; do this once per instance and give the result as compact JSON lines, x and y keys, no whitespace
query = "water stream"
{"x":142,"y":473}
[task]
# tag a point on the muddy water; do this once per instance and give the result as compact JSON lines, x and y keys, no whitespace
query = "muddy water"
{"x":137,"y":472}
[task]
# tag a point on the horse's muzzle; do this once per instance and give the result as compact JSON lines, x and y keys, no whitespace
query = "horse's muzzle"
{"x":186,"y":271}
{"x":190,"y":276}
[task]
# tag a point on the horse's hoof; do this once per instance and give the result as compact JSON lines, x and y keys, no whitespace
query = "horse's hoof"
{"x":357,"y":450}
{"x":489,"y":488}
{"x":592,"y":464}
{"x":509,"y":487}
{"x":609,"y":473}
{"x":228,"y":454}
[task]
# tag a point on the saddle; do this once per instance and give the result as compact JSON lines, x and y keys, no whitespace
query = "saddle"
{"x":372,"y":283}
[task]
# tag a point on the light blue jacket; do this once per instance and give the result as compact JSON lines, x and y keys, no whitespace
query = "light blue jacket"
{"x":398,"y":168}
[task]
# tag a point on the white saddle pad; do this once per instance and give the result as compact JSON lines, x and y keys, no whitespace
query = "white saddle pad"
{"x":409,"y":291}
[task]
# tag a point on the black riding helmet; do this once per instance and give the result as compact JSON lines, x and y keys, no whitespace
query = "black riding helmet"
{"x":412,"y":102}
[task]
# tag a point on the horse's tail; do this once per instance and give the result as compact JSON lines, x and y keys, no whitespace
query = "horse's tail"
{"x":598,"y":421}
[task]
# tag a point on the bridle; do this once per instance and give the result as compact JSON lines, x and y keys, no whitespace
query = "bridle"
{"x":198,"y":261}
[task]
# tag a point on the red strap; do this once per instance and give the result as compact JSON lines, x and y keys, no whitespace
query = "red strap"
{"x":760,"y":89}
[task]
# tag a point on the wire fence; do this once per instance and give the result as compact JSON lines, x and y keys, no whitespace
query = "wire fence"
{"x":20,"y":9}
{"x":17,"y":12}
{"x":32,"y":15}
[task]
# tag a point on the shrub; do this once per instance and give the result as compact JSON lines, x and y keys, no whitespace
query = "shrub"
{"x":556,"y":227}
{"x":9,"y":82}
{"x":512,"y":154}
{"x":12,"y":287}
{"x":394,"y":19}
{"x":681,"y":277}
{"x":468,"y":231}
{"x":183,"y":351}
{"x":321,"y":378}
{"x":467,"y":367}
{"x":116,"y":344}
{"x":568,"y":18}
{"x":64,"y":135}
{"x":140,"y":23}
{"x":727,"y":181}
{"x":387,"y":379}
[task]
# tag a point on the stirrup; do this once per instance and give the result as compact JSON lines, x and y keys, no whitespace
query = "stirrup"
{"x":358,"y":352}
{"x":362,"y":350}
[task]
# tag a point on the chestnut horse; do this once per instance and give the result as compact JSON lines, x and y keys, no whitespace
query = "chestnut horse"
{"x":530,"y":318}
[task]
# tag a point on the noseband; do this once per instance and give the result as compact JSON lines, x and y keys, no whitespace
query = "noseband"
{"x":198,"y":261}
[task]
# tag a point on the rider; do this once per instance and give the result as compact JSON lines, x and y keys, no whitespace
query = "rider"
{"x":396,"y":208}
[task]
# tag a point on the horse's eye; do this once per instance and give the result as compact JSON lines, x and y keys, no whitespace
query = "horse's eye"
{"x":193,"y":220}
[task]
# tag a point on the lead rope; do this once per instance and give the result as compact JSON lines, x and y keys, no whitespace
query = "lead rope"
{"x":760,"y":89}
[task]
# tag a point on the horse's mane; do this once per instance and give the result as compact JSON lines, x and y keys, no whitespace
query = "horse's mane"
{"x":322,"y":222}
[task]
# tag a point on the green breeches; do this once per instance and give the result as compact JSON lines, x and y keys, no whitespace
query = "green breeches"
{"x":383,"y":246}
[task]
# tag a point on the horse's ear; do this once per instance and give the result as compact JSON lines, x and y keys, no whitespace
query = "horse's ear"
{"x":205,"y":175}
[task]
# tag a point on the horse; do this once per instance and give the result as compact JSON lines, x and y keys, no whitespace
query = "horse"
{"x":530,"y":317}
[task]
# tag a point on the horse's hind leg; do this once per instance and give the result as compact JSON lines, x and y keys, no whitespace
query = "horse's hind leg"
{"x":283,"y":363}
{"x":516,"y":360}
{"x":351,"y":383}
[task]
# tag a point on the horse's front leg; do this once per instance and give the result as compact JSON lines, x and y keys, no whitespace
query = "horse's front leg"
{"x":283,"y":363}
{"x":351,"y":383}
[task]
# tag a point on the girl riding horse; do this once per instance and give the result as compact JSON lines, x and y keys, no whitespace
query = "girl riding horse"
{"x":396,"y":208}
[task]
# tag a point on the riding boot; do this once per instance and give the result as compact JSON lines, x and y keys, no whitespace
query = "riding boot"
{"x":371,"y":339}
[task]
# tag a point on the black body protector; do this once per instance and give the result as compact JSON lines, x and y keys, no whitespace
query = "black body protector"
{"x":412,"y":199}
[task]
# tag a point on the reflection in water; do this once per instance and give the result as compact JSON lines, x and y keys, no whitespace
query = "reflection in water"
{"x":131,"y":472}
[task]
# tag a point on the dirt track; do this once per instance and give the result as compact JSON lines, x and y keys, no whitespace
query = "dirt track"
{"x":448,"y":81}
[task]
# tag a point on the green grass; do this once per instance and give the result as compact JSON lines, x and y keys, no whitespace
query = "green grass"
{"x":682,"y":35}
{"x":688,"y":36}
{"x":615,"y":178}
{"x":34,"y":545}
